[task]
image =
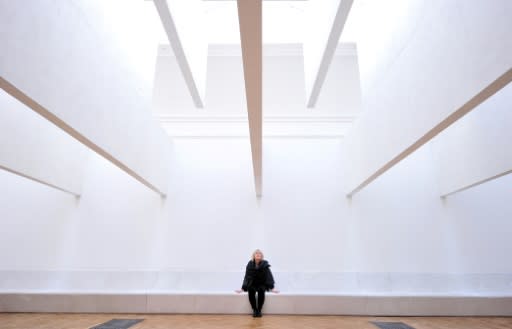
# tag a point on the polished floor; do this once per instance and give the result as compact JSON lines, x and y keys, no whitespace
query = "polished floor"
{"x":83,"y":321}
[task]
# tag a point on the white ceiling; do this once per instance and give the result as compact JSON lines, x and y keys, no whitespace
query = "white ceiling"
{"x":284,"y":103}
{"x":283,"y":21}
{"x":284,"y":82}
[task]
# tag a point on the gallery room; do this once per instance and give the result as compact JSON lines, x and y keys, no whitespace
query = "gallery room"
{"x":256,"y":164}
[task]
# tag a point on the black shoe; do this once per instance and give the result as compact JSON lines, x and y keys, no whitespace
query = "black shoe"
{"x":258,"y":314}
{"x":254,"y":314}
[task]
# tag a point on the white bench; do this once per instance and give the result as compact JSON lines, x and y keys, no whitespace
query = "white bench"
{"x":232,"y":303}
{"x":172,"y":291}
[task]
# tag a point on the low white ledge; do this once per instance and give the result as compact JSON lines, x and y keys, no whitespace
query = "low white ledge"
{"x":231,"y":303}
{"x":315,"y":283}
{"x":336,"y":293}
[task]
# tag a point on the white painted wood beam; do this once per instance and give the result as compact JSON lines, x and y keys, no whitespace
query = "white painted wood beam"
{"x":325,"y":22}
{"x":250,"y":20}
{"x":182,"y":21}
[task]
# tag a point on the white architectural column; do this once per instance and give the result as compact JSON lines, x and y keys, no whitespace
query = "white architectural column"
{"x":182,"y":21}
{"x":476,"y":148}
{"x":325,"y":21}
{"x":32,"y":148}
{"x":59,"y":59}
{"x":454,"y":57}
{"x":250,"y":18}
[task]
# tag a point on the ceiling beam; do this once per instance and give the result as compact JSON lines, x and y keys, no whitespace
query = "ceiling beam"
{"x":325,"y":21}
{"x":250,"y":20}
{"x":181,"y":20}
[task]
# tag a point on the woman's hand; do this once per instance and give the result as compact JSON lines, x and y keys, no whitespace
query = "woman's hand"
{"x":238,"y":291}
{"x":275,"y":291}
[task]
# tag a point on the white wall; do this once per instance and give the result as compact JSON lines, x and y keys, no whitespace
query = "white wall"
{"x":68,"y":58}
{"x":477,"y":147}
{"x":396,"y":237}
{"x":33,"y":148}
{"x":426,"y":80}
{"x":394,"y":24}
{"x":34,"y":219}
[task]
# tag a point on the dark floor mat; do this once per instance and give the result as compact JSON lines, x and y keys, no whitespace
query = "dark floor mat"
{"x":391,"y":325}
{"x":117,"y":324}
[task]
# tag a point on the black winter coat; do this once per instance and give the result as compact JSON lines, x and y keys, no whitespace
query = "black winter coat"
{"x":258,"y":276}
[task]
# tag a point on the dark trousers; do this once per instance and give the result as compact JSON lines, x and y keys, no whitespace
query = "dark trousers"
{"x":252,"y":298}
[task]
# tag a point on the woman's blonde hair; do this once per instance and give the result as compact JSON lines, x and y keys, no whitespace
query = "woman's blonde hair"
{"x":255,"y":252}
